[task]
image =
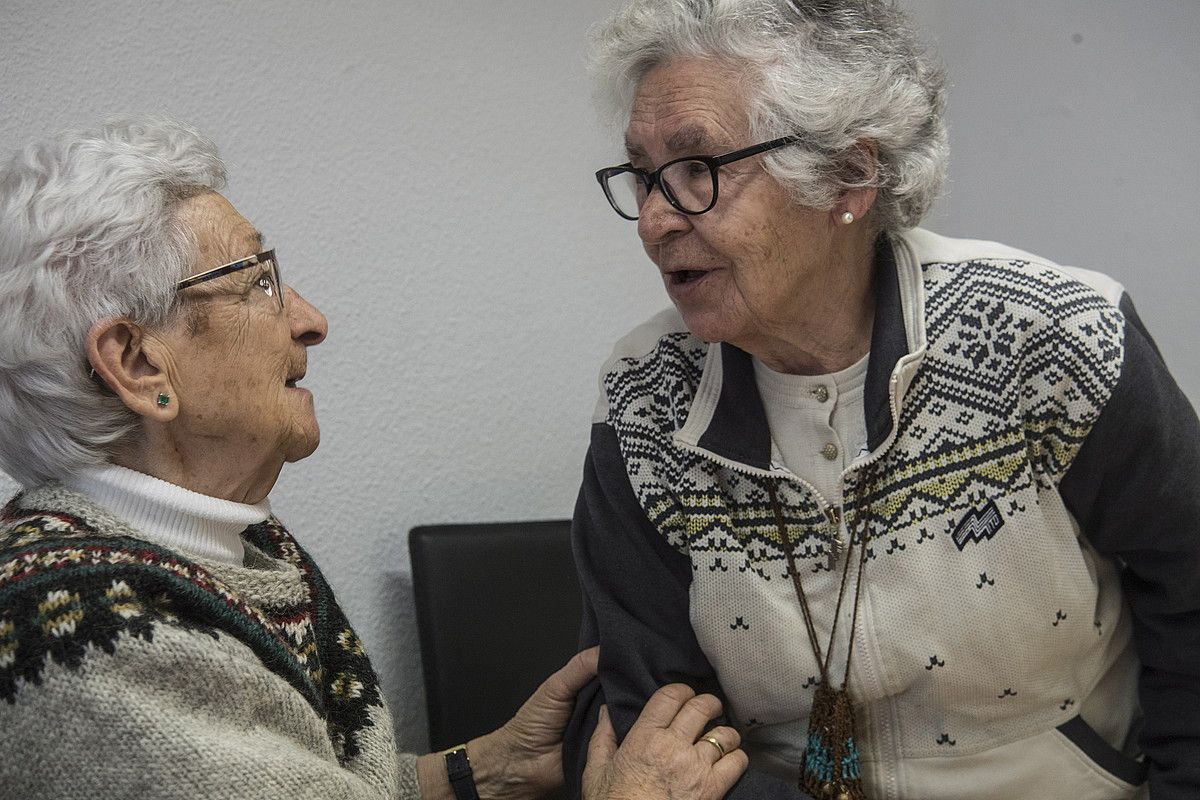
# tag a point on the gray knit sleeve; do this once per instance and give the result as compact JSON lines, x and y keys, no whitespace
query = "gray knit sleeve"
{"x":407,"y":786}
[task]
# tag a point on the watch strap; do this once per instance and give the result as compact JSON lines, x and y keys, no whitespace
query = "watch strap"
{"x":458,"y":768}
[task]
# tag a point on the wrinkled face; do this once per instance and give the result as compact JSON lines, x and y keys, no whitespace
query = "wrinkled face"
{"x":746,"y":270}
{"x":236,"y":358}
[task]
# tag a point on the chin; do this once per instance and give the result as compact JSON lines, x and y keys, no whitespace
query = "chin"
{"x":304,"y":446}
{"x":705,"y":326}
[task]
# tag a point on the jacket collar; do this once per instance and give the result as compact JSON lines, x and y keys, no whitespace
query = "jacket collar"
{"x":727,"y":417}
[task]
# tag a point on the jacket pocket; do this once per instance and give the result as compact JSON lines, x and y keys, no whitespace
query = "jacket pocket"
{"x":1104,"y":756}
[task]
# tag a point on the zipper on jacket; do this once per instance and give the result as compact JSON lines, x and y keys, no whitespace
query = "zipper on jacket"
{"x":837,"y":546}
{"x":830,"y":511}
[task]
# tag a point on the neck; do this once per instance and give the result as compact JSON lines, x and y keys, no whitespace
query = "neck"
{"x":209,"y":468}
{"x":829,"y":328}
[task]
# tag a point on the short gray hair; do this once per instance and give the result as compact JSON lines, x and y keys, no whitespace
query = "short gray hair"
{"x":88,"y":230}
{"x":835,"y":72}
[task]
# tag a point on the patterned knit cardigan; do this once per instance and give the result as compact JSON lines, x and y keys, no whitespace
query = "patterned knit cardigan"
{"x":129,"y":670}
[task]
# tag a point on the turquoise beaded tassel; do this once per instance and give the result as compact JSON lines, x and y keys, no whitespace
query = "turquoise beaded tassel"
{"x":831,"y":767}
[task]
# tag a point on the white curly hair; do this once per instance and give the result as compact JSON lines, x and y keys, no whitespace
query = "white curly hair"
{"x":88,"y":230}
{"x":835,"y":72}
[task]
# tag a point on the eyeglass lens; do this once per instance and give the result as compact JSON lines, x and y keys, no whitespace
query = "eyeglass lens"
{"x":277,"y":278}
{"x":688,"y":185}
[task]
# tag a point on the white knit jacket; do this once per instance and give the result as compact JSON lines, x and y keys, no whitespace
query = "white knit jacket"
{"x":1032,"y":500}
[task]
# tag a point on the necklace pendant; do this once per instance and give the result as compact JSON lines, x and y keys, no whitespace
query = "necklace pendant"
{"x":831,"y":759}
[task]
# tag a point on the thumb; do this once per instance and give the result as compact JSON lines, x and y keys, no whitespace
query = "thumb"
{"x":601,"y":750}
{"x":564,"y":684}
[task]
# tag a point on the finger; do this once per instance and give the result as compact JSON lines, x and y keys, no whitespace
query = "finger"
{"x":725,"y":773}
{"x":729,"y":737}
{"x":710,"y":749}
{"x":573,"y":676}
{"x":717,"y":743}
{"x":663,"y":705}
{"x":695,"y":716}
{"x":603,"y":745}
{"x":601,"y":750}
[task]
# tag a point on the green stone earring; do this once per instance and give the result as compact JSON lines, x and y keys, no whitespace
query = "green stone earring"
{"x":164,"y":399}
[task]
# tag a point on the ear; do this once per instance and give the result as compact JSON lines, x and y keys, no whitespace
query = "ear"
{"x":862,"y":166}
{"x":130,"y":364}
{"x":857,"y":201}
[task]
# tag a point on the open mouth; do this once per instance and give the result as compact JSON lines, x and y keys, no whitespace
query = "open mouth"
{"x":686,"y":276}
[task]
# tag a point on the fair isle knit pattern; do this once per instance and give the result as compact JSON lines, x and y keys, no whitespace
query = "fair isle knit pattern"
{"x":1021,"y":361}
{"x":1019,"y":365}
{"x":686,"y":497}
{"x":82,"y":600}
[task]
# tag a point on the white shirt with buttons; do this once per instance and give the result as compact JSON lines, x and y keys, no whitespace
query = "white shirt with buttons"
{"x":817,"y":423}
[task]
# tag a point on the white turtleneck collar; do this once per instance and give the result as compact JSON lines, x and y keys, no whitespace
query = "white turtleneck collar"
{"x":194,"y":524}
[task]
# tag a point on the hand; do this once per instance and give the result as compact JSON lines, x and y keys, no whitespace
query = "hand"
{"x":523,"y":759}
{"x":661,"y":757}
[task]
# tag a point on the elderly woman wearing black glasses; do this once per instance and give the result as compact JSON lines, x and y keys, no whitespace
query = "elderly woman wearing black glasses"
{"x":925,"y":512}
{"x":161,"y":634}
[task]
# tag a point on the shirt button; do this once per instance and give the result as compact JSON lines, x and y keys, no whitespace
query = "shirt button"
{"x":830,"y":451}
{"x":821,"y":393}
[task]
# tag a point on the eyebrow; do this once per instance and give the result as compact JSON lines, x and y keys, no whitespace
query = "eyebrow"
{"x":688,"y":140}
{"x":248,"y":276}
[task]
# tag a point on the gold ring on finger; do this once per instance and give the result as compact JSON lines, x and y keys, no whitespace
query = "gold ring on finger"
{"x":715,"y":743}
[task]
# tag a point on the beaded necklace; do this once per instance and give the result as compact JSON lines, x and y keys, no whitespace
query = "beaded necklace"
{"x":831,"y":759}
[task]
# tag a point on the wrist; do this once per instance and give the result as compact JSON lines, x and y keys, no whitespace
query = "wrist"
{"x":432,"y":779}
{"x":491,"y":764}
{"x":457,"y":765}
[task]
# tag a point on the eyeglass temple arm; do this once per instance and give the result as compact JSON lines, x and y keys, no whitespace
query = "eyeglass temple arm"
{"x":754,"y":150}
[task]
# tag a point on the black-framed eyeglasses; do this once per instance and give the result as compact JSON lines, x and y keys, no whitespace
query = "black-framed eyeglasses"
{"x":689,"y":184}
{"x":270,"y":281}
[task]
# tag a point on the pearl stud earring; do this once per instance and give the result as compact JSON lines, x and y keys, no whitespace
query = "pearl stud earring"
{"x":847,"y":218}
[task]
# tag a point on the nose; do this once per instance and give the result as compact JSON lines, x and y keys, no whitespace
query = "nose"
{"x":308,"y":324}
{"x":658,"y":220}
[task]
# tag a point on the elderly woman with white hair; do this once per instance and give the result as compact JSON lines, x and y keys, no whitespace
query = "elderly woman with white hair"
{"x":162,"y":635}
{"x":924,"y":512}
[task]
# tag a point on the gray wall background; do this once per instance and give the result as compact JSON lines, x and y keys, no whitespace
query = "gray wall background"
{"x":425,"y":172}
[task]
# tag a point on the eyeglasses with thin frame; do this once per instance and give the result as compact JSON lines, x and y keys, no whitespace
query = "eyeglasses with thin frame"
{"x":270,"y":281}
{"x":689,"y":184}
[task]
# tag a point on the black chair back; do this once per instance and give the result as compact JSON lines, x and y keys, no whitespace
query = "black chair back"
{"x":498,"y":609}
